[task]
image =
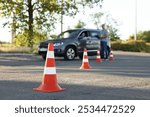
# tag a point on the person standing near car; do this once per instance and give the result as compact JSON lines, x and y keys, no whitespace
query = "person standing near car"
{"x":108,"y":46}
{"x":104,"y":40}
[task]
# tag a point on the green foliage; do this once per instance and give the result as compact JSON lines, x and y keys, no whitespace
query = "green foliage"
{"x":39,"y":36}
{"x":90,"y":3}
{"x":80,"y":24}
{"x":22,"y":38}
{"x":38,"y":14}
{"x":142,"y":35}
{"x":53,"y":36}
{"x":133,"y":46}
{"x":110,"y":22}
{"x":147,"y":48}
{"x":113,"y":33}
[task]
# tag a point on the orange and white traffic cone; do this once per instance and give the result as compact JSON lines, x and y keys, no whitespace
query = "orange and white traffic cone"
{"x":98,"y":57}
{"x":85,"y":61}
{"x":111,"y":56}
{"x":49,"y":83}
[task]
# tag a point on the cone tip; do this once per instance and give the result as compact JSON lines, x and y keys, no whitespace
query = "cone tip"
{"x":50,"y":47}
{"x":85,"y":49}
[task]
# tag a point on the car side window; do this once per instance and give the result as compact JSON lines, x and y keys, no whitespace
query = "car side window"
{"x":83,"y":35}
{"x":94,"y":35}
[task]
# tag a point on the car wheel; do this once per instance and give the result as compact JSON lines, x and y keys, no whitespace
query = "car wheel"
{"x":69,"y":53}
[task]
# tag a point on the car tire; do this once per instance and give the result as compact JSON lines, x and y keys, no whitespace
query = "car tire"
{"x":70,"y":53}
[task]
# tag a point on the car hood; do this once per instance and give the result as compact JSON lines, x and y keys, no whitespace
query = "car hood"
{"x":53,"y":41}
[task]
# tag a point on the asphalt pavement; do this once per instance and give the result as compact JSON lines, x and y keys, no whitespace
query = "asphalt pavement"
{"x":125,"y":78}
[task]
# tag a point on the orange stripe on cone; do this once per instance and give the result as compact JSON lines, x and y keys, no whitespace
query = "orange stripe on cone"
{"x":49,"y":83}
{"x":98,"y":57}
{"x":50,"y":62}
{"x":85,"y":62}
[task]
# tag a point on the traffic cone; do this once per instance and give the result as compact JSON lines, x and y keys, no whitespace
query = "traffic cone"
{"x":49,"y":83}
{"x":98,"y":57}
{"x":111,"y":56}
{"x":85,"y":61}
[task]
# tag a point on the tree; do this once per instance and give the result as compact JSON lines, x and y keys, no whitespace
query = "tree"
{"x":142,"y":35}
{"x":22,"y":40}
{"x":145,"y":36}
{"x":39,"y":14}
{"x":97,"y":19}
{"x":80,"y":24}
{"x":76,"y":5}
{"x":29,"y":13}
{"x":112,"y":27}
{"x":109,"y":21}
{"x":113,"y":33}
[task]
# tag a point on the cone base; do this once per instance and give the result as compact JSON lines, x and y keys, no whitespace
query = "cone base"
{"x":111,"y":59}
{"x":46,"y":88}
{"x":98,"y":60}
{"x":85,"y":66}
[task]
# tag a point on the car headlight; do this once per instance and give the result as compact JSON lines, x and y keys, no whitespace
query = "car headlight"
{"x":58,"y":44}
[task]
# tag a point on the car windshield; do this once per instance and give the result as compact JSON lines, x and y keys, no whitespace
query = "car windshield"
{"x":68,"y":34}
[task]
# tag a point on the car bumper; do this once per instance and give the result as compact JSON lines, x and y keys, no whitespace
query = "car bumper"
{"x":57,"y":51}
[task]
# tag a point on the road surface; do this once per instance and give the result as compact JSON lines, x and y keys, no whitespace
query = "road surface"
{"x":125,"y":78}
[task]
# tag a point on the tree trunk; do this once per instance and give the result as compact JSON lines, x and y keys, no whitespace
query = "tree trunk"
{"x":62,"y":13}
{"x":30,"y":24}
{"x":13,"y":32}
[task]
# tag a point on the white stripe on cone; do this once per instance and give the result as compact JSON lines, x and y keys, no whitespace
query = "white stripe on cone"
{"x":111,"y":55}
{"x":49,"y":70}
{"x":85,"y":53}
{"x":85,"y":60}
{"x":50,"y":54}
{"x":98,"y":54}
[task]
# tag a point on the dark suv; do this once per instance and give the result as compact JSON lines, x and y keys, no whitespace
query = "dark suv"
{"x":71,"y":43}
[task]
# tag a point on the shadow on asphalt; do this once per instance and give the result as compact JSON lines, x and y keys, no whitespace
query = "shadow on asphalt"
{"x":19,"y":90}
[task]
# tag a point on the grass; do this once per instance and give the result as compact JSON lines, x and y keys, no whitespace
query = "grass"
{"x":10,"y":48}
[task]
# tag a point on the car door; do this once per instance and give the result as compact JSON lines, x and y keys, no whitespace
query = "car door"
{"x":94,"y":41}
{"x":83,"y":41}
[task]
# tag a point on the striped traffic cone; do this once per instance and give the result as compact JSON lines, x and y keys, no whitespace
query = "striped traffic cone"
{"x":49,"y":83}
{"x":85,"y":62}
{"x":111,"y":56}
{"x":98,"y":57}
